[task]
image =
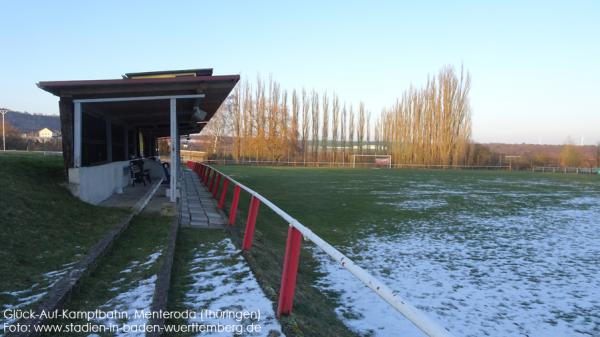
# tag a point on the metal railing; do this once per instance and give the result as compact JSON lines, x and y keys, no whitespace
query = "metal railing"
{"x":557,"y":169}
{"x":42,"y":152}
{"x":350,"y":164}
{"x":209,"y":175}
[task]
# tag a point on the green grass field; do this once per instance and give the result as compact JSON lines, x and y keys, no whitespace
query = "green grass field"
{"x":335,"y":203}
{"x":435,"y":236}
{"x":399,"y":220}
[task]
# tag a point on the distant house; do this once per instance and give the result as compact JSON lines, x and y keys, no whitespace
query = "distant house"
{"x":45,"y":133}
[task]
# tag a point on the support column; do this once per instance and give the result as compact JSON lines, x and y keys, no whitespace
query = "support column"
{"x":67,"y":108}
{"x":178,"y":147}
{"x":126,"y":143}
{"x":77,"y":126}
{"x":136,"y":139}
{"x":174,"y":159}
{"x":109,"y":153}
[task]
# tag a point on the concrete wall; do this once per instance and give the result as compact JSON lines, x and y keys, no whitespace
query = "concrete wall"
{"x":96,"y":183}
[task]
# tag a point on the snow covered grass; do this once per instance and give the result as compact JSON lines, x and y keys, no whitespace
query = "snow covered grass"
{"x":213,"y":277}
{"x":131,"y":295}
{"x":125,"y":279}
{"x":484,"y":253}
{"x":528,"y":278}
{"x":533,"y":272}
{"x":25,"y":298}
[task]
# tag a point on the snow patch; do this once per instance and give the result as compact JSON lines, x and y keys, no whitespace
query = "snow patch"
{"x":223,"y":281}
{"x":137,"y":298}
{"x":20,"y":299}
{"x":531,"y":270}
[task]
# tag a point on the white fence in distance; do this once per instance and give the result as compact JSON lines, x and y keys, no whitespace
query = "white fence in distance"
{"x":350,"y":164}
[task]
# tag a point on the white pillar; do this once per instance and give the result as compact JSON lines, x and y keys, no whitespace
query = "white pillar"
{"x":77,"y":121}
{"x":3,"y":112}
{"x":174,"y":161}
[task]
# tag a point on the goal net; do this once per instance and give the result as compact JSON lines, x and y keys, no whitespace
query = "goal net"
{"x":372,"y":160}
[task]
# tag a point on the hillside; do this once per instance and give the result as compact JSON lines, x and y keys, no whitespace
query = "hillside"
{"x":27,"y":122}
{"x":43,"y":227}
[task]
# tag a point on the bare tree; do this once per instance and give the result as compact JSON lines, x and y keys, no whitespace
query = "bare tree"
{"x":351,"y":131}
{"x":343,"y":132}
{"x":360,"y":131}
{"x":294,"y":124}
{"x":325,"y":125}
{"x":284,"y":142}
{"x":315,"y":125}
{"x":218,"y":127}
{"x":430,"y":125}
{"x":335,"y":125}
{"x":237,"y":118}
{"x":305,"y":123}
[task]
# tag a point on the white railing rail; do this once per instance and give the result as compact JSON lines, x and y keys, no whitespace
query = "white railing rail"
{"x":416,"y":316}
{"x":350,"y":164}
{"x":558,"y":169}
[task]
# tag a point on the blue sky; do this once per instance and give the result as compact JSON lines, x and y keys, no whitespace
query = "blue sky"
{"x":535,"y":65}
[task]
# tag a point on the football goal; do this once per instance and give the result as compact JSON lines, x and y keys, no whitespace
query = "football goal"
{"x":372,"y":160}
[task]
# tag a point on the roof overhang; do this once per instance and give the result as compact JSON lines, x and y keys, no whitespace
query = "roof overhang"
{"x":150,"y":114}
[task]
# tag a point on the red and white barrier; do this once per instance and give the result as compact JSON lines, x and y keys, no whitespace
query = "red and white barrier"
{"x":296,"y":232}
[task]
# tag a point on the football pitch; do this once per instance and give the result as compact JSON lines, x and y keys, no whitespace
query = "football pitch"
{"x":482,"y":252}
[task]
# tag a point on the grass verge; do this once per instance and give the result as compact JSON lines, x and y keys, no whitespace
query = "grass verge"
{"x":124,"y":280}
{"x":42,"y":226}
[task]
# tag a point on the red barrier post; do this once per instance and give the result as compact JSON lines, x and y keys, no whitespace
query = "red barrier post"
{"x":212,"y":180}
{"x":234,"y":205}
{"x":223,"y":193}
{"x":250,"y":223}
{"x":189,"y":164}
{"x":216,"y":187}
{"x":206,"y":177}
{"x":290,"y":271}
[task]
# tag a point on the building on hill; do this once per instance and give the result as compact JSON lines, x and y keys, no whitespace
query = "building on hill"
{"x":45,"y":134}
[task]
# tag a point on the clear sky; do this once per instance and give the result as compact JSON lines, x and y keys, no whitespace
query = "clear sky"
{"x":535,"y":65}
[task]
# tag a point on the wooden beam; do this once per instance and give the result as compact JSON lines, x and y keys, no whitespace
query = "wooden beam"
{"x":65,"y":106}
